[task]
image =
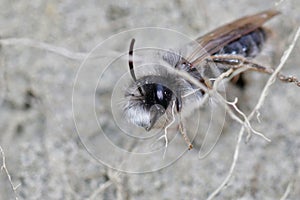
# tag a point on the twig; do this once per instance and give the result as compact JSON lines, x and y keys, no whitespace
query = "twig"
{"x":188,"y":77}
{"x":48,"y":47}
{"x":232,"y":167}
{"x":101,"y":188}
{"x":287,"y":191}
{"x":4,"y":168}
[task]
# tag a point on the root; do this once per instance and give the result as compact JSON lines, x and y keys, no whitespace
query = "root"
{"x":4,"y":168}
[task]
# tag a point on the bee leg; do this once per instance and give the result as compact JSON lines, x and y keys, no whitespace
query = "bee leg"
{"x":289,"y":79}
{"x":178,"y":101}
{"x":184,"y":135}
{"x":178,"y":104}
{"x":239,"y":81}
{"x":238,"y":61}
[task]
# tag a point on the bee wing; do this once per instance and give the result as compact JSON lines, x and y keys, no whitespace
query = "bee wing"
{"x":215,"y":40}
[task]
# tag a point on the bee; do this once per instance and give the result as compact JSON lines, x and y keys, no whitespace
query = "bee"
{"x":229,"y":47}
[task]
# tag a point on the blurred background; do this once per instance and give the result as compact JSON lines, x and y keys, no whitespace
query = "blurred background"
{"x":43,"y":46}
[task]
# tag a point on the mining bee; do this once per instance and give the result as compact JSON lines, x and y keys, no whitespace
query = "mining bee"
{"x":231,"y":46}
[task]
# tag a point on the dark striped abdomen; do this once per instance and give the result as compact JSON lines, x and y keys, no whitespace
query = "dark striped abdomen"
{"x":248,"y":45}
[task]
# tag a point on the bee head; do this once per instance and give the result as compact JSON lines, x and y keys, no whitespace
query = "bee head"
{"x":145,"y":108}
{"x":147,"y":98}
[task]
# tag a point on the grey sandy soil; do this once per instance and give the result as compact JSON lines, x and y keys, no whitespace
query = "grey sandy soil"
{"x":38,"y":134}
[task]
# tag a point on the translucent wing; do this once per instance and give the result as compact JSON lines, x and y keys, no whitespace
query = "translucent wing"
{"x":215,"y":40}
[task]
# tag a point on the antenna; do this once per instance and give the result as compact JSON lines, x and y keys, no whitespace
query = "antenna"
{"x":130,"y":64}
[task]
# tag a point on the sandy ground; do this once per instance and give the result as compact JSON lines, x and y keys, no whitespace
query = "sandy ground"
{"x":48,"y":157}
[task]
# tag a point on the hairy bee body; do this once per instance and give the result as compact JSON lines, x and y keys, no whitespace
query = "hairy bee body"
{"x":205,"y":59}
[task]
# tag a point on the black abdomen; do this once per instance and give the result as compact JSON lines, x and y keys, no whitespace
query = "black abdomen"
{"x":248,"y":45}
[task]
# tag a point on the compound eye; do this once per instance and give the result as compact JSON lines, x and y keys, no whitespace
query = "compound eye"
{"x":163,"y":95}
{"x":160,"y":92}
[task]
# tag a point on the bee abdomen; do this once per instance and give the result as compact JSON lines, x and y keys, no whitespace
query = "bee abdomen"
{"x":248,"y":45}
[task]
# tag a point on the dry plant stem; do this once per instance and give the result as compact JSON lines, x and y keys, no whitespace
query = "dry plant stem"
{"x":238,"y":72}
{"x":101,"y":188}
{"x":287,"y":191}
{"x":44,"y":46}
{"x":221,"y":77}
{"x":4,"y":168}
{"x":232,"y":167}
{"x":188,"y":77}
{"x":48,"y":47}
{"x":255,"y":110}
